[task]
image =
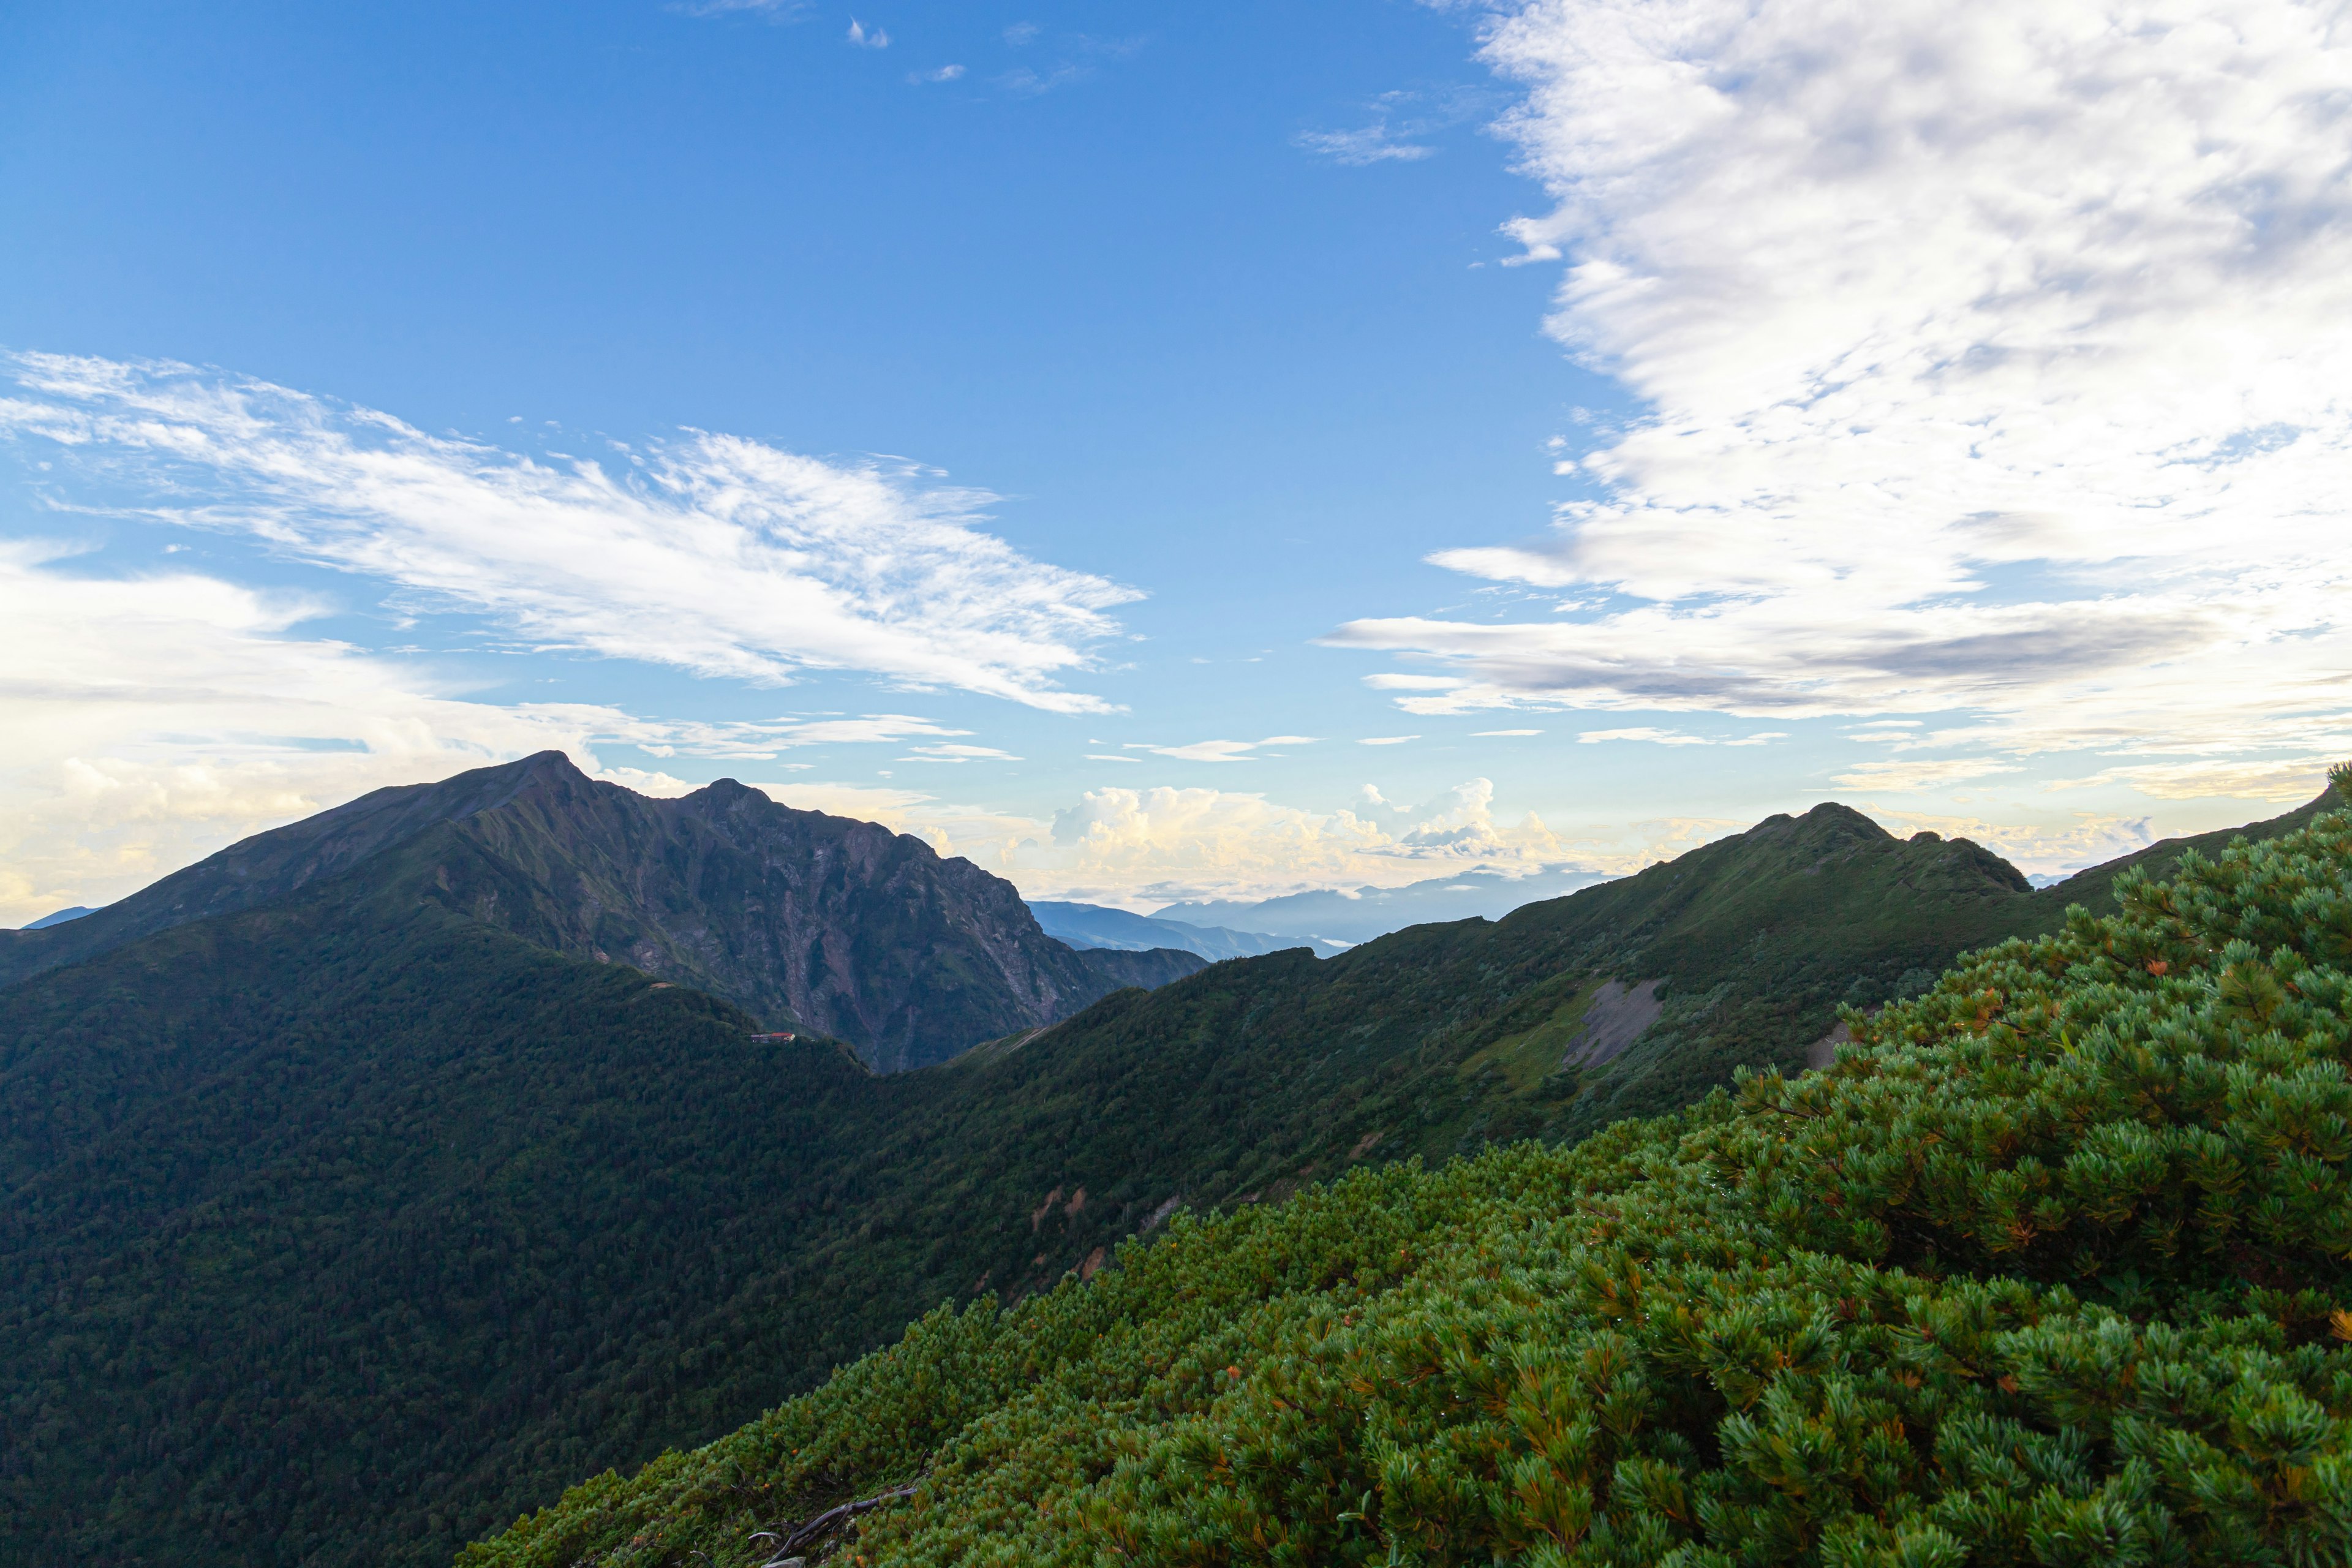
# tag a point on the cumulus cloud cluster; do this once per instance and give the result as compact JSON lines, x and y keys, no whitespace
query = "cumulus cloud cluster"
{"x":1992,"y":365}
{"x":1144,"y":847}
{"x":714,"y":554}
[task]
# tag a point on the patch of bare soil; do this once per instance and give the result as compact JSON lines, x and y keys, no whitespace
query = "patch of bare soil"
{"x":1616,"y":1016}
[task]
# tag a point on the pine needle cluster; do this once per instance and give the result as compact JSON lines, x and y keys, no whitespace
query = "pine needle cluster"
{"x":2054,"y":1267}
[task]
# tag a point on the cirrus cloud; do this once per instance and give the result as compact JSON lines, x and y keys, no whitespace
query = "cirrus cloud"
{"x":712,"y":553}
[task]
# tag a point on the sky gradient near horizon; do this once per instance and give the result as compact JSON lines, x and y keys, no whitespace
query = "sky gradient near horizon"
{"x":1168,"y":452}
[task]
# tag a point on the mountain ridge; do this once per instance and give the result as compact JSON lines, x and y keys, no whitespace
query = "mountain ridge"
{"x":1100,"y":926}
{"x":1339,"y":919}
{"x":805,"y":919}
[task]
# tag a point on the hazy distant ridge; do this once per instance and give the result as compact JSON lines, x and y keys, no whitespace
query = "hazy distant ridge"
{"x":1367,"y":912}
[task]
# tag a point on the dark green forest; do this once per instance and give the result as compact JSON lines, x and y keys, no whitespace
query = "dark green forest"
{"x":2050,"y":1267}
{"x":343,"y":1228}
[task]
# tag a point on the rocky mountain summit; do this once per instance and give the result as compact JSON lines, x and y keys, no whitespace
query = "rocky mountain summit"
{"x":803,"y":920}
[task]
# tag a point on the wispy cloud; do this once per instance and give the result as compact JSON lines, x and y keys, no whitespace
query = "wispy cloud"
{"x":860,"y":37}
{"x":1908,"y":777}
{"x":944,"y":73}
{"x":775,"y":10}
{"x":1400,"y":125}
{"x":1219,"y":751}
{"x":1022,"y":82}
{"x":1367,"y":144}
{"x":1657,"y":737}
{"x":1992,"y":357}
{"x":711,"y":553}
{"x":1070,"y":57}
{"x":1386,"y":740}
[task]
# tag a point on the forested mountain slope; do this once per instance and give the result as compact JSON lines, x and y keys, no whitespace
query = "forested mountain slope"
{"x":2051,"y":1267}
{"x":386,"y":1224}
{"x":802,"y":919}
{"x":311,"y":1213}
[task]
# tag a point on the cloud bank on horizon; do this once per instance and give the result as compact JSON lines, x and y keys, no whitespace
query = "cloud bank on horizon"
{"x":1992,"y":366}
{"x":1140,"y":848}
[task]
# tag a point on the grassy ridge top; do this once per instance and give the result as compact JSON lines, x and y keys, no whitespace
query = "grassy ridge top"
{"x":2051,"y":1267}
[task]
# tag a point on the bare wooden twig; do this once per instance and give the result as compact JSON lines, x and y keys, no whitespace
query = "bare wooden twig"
{"x":790,"y":1538}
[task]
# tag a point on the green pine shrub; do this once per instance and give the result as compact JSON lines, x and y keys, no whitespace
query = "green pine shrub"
{"x":2054,"y":1267}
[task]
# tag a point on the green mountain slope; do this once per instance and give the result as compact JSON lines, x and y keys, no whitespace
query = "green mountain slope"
{"x":312,"y":1214}
{"x":2095,"y":888}
{"x":802,"y":919}
{"x":2051,"y":1268}
{"x":390,"y":1224}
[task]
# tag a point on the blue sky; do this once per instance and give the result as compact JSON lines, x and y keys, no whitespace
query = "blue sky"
{"x":1130,"y":378}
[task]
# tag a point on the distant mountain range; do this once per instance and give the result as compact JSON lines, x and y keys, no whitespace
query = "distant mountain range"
{"x":806,"y":921}
{"x":59,"y":917}
{"x":364,"y":1186}
{"x":1099,"y":926}
{"x":1340,"y":919}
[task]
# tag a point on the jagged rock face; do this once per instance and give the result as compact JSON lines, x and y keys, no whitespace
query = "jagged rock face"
{"x":803,"y":919}
{"x":842,"y":926}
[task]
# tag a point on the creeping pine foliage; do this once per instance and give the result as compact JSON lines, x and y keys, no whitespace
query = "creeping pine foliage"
{"x":2054,"y":1267}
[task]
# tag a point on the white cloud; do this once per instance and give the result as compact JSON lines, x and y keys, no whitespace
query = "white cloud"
{"x":2285,"y":781}
{"x":1369,"y":144}
{"x":715,"y":554}
{"x":775,"y":10}
{"x":1483,"y":734}
{"x":1146,"y":846}
{"x":1220,"y":751}
{"x":1022,"y":82}
{"x":860,"y":38}
{"x":944,"y":73}
{"x":1401,"y":120}
{"x":951,"y":751}
{"x":1991,"y":357}
{"x":1911,"y":777}
{"x":1654,"y":737}
{"x":1386,"y":740}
